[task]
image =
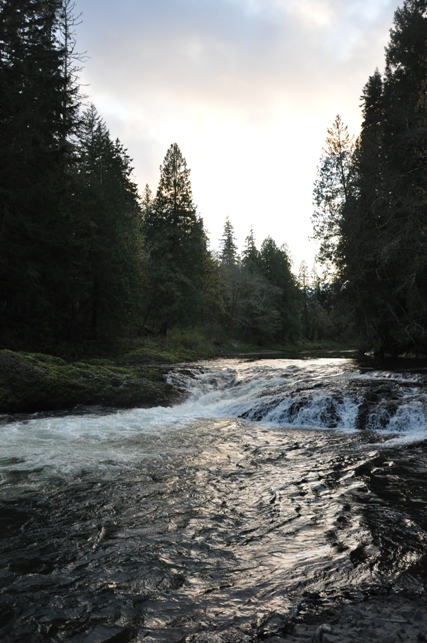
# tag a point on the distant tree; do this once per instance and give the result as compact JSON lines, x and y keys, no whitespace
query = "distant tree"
{"x":228,"y":246}
{"x":146,"y":201}
{"x":251,"y":306}
{"x":304,"y":286}
{"x":276,"y":268}
{"x":176,"y":242}
{"x":250,"y":254}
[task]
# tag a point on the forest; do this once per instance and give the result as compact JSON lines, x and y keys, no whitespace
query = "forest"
{"x":86,"y":259}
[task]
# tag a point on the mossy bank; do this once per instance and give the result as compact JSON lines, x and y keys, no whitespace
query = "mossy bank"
{"x":31,"y":382}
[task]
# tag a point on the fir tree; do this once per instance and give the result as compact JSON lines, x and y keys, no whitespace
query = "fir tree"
{"x":146,"y":201}
{"x":276,"y":268}
{"x":177,"y":247}
{"x":332,"y":191}
{"x":250,"y":254}
{"x":379,"y":232}
{"x":38,"y":108}
{"x":228,"y":247}
{"x":109,"y":233}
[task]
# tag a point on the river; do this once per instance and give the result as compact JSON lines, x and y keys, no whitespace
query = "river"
{"x":279,"y":492}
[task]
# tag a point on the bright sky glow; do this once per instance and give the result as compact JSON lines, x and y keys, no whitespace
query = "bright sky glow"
{"x":247,"y":88}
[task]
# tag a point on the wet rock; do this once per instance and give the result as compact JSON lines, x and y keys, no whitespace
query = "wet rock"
{"x":320,"y":631}
{"x":203,"y":637}
{"x":275,"y":626}
{"x":102,"y":634}
{"x":419,"y":617}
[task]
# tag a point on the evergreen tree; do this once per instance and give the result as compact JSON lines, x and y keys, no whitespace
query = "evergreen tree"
{"x":380,"y":233}
{"x":364,"y":220}
{"x":276,"y":268}
{"x":250,"y":254}
{"x":304,"y":286}
{"x":146,"y":201}
{"x":38,"y":107}
{"x":177,"y":247}
{"x":332,"y":191}
{"x":109,"y":234}
{"x":228,"y":252}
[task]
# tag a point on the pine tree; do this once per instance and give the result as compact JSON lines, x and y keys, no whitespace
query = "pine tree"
{"x":363,"y":227}
{"x":228,"y":252}
{"x":177,"y":246}
{"x":276,"y":268}
{"x":332,"y":191}
{"x":38,"y":107}
{"x":146,"y":201}
{"x":378,"y":244}
{"x":250,"y":254}
{"x":304,"y":286}
{"x":109,"y":234}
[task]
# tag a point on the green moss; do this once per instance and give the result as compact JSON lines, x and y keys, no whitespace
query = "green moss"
{"x":44,"y":359}
{"x":29,"y":383}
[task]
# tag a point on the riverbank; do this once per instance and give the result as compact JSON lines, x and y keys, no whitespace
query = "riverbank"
{"x":34,"y":382}
{"x":118,"y":377}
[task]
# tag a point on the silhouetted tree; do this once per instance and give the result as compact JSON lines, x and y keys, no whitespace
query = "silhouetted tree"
{"x":38,"y":114}
{"x":332,"y":191}
{"x":177,"y":247}
{"x":250,"y":254}
{"x":110,"y":231}
{"x":228,"y":246}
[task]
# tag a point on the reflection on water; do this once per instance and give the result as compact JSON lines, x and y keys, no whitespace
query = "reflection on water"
{"x":215,"y":515}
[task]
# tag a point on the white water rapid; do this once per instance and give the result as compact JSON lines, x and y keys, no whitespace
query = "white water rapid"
{"x":278,"y":493}
{"x":313,"y":393}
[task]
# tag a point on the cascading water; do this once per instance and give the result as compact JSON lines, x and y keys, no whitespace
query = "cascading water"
{"x":276,"y":481}
{"x":316,"y":394}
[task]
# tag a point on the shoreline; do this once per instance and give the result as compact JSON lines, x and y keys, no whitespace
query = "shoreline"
{"x":39,"y":382}
{"x":32,"y":383}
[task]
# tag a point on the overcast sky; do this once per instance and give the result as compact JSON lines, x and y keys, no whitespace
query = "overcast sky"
{"x":247,"y":88}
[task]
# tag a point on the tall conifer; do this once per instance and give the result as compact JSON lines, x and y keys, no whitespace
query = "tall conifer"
{"x":38,"y":108}
{"x":177,"y":246}
{"x":228,"y":245}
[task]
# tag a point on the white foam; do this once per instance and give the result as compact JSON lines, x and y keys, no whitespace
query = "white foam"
{"x":313,"y":394}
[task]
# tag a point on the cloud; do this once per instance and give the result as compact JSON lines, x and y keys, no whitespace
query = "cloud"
{"x":246,"y":87}
{"x":229,"y":53}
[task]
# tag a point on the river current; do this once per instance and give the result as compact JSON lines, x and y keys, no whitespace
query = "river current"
{"x":278,"y":490}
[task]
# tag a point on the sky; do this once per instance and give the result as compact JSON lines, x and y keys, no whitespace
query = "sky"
{"x":246,"y":88}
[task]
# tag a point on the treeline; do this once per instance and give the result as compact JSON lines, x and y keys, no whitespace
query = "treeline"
{"x":84,"y":258}
{"x":371,"y":197}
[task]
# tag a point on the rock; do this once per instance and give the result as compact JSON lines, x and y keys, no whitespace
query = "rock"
{"x":31,"y":382}
{"x":274,"y":626}
{"x":102,"y":634}
{"x":322,"y":629}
